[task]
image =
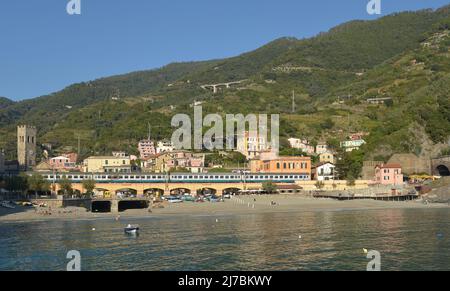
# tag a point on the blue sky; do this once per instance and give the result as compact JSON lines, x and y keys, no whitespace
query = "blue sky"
{"x":43,"y":49}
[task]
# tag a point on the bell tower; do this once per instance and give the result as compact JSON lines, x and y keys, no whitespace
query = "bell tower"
{"x":26,"y":146}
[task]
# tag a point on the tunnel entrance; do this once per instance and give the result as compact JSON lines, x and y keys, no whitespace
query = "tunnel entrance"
{"x":101,"y":206}
{"x":137,"y":204}
{"x":443,"y":171}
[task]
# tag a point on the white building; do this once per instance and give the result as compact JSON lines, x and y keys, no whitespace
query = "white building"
{"x":351,"y":145}
{"x":301,"y":144}
{"x":325,"y":172}
{"x":164,"y":147}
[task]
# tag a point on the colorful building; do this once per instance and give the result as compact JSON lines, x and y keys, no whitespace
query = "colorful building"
{"x":146,"y":148}
{"x":389,"y":174}
{"x":321,"y":148}
{"x":280,"y":165}
{"x":170,"y":161}
{"x":107,"y":164}
{"x":62,"y":163}
{"x":327,"y":157}
{"x":251,"y":145}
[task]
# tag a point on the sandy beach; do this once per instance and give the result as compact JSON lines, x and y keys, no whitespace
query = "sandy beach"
{"x":237,"y":205}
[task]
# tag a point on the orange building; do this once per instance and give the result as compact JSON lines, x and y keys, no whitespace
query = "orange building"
{"x":291,"y":165}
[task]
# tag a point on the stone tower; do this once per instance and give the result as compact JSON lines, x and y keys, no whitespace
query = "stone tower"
{"x":26,"y":146}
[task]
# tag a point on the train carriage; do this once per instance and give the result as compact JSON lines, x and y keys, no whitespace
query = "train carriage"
{"x":178,"y":177}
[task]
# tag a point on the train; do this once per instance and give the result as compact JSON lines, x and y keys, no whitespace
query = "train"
{"x":178,"y":177}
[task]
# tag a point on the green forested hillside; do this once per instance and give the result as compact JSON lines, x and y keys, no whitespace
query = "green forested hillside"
{"x":404,"y":56}
{"x":5,"y":102}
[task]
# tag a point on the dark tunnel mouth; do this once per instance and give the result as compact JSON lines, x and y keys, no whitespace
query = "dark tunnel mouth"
{"x":101,"y":206}
{"x":138,"y":204}
{"x":443,"y":171}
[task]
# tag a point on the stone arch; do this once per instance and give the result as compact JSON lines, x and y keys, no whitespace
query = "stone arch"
{"x":153,"y":192}
{"x":102,"y":192}
{"x":126,"y":192}
{"x":206,"y":191}
{"x":180,"y":191}
{"x":231,"y":190}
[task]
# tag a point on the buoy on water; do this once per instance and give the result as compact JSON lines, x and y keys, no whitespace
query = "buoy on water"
{"x":365,"y":251}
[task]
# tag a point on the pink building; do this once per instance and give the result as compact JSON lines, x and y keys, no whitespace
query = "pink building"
{"x":146,"y":148}
{"x":389,"y":174}
{"x":65,"y":162}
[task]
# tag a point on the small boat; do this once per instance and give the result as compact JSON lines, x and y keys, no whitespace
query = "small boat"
{"x":131,"y":229}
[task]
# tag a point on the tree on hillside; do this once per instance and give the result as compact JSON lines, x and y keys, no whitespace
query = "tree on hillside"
{"x":327,"y":124}
{"x":349,"y":164}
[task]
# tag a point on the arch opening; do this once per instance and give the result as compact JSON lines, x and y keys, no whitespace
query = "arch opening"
{"x":101,"y":193}
{"x":230,"y":191}
{"x":101,"y":206}
{"x":443,"y":170}
{"x":206,"y":191}
{"x":126,"y":193}
{"x":135,"y":204}
{"x":180,"y":191}
{"x":153,"y":192}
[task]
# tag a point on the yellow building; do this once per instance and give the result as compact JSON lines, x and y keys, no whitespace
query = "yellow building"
{"x":107,"y":164}
{"x":326,"y":157}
